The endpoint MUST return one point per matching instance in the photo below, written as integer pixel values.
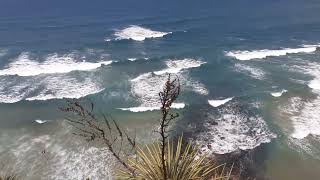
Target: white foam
(315, 84)
(278, 94)
(175, 66)
(57, 88)
(39, 121)
(143, 109)
(195, 86)
(147, 86)
(55, 156)
(260, 54)
(138, 33)
(306, 145)
(25, 66)
(232, 131)
(44, 88)
(306, 119)
(178, 105)
(254, 72)
(217, 103)
(132, 59)
(304, 116)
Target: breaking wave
(260, 54)
(44, 88)
(176, 66)
(132, 59)
(278, 94)
(305, 118)
(137, 33)
(39, 121)
(147, 86)
(217, 103)
(25, 66)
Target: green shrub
(181, 163)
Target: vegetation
(8, 177)
(181, 164)
(162, 160)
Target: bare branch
(88, 126)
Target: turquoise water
(249, 71)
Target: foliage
(8, 177)
(182, 163)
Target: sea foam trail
(147, 86)
(217, 103)
(25, 66)
(229, 131)
(253, 72)
(260, 54)
(138, 33)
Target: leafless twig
(108, 130)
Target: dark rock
(209, 146)
(214, 123)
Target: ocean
(249, 73)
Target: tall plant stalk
(167, 96)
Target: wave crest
(44, 88)
(261, 54)
(138, 33)
(175, 66)
(25, 66)
(278, 94)
(217, 103)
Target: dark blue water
(50, 50)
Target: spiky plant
(181, 163)
(8, 177)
